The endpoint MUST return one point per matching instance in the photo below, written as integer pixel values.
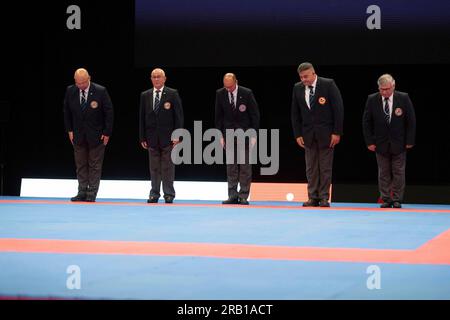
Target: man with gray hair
(318, 120)
(389, 126)
(160, 113)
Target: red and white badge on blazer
(322, 100)
(398, 112)
(94, 104)
(242, 108)
(167, 105)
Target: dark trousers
(391, 176)
(319, 168)
(161, 169)
(239, 173)
(89, 162)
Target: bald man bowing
(236, 108)
(88, 118)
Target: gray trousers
(239, 173)
(89, 162)
(319, 168)
(391, 176)
(161, 169)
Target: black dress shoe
(385, 205)
(231, 201)
(243, 201)
(152, 200)
(168, 199)
(397, 205)
(90, 198)
(324, 203)
(79, 197)
(311, 203)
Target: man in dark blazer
(88, 118)
(389, 126)
(160, 113)
(236, 108)
(317, 114)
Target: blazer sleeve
(108, 114)
(338, 109)
(368, 125)
(142, 118)
(296, 115)
(253, 111)
(218, 114)
(410, 122)
(178, 111)
(67, 113)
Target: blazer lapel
(394, 105)
(317, 92)
(90, 95)
(150, 98)
(303, 99)
(163, 97)
(380, 108)
(226, 96)
(76, 96)
(238, 98)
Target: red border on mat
(284, 207)
(435, 251)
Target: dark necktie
(311, 96)
(232, 101)
(157, 100)
(83, 100)
(386, 110)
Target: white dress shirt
(86, 91)
(307, 90)
(154, 94)
(234, 95)
(391, 102)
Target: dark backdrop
(280, 32)
(40, 56)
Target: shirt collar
(234, 91)
(161, 90)
(390, 98)
(314, 84)
(86, 90)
